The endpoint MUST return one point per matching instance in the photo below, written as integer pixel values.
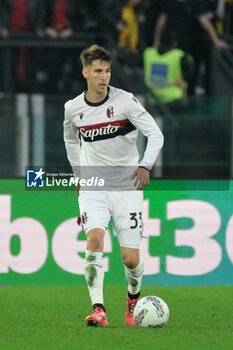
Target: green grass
(53, 318)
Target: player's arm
(143, 121)
(72, 142)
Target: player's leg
(94, 274)
(93, 209)
(127, 220)
(133, 269)
(133, 272)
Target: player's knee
(130, 262)
(95, 241)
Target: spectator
(167, 69)
(153, 10)
(132, 21)
(91, 11)
(19, 16)
(111, 17)
(128, 27)
(6, 8)
(59, 19)
(140, 10)
(228, 25)
(214, 11)
(181, 15)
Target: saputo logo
(104, 130)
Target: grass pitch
(31, 318)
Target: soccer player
(100, 129)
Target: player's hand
(142, 177)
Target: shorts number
(133, 217)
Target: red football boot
(98, 318)
(130, 305)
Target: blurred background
(175, 56)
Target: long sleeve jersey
(105, 133)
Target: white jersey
(105, 133)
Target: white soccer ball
(151, 311)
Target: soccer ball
(152, 312)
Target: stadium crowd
(131, 26)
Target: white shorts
(125, 209)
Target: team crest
(110, 112)
(82, 220)
(84, 217)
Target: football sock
(99, 305)
(94, 274)
(134, 277)
(135, 296)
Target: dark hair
(95, 52)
